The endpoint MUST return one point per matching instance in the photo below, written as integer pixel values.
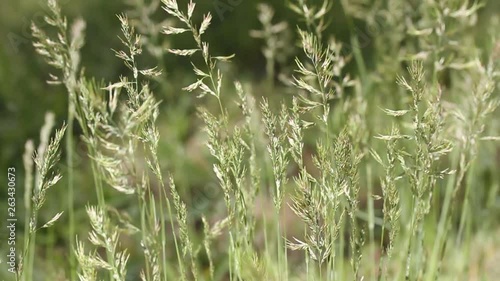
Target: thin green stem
(29, 252)
(409, 241)
(28, 204)
(144, 231)
(163, 237)
(278, 244)
(174, 235)
(443, 222)
(341, 273)
(465, 214)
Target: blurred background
(25, 96)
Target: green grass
(337, 166)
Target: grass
(336, 167)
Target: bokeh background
(25, 96)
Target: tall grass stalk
(63, 54)
(45, 158)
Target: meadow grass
(364, 174)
